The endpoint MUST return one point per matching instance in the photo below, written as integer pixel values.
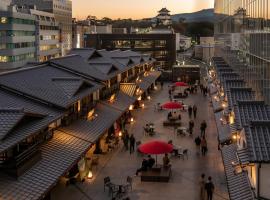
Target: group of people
(129, 142)
(204, 90)
(174, 115)
(192, 110)
(201, 144)
(146, 164)
(206, 188)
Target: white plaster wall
(264, 189)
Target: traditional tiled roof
(41, 83)
(238, 94)
(15, 109)
(238, 183)
(229, 83)
(122, 101)
(146, 81)
(222, 70)
(11, 118)
(258, 141)
(229, 75)
(245, 111)
(243, 156)
(91, 130)
(128, 88)
(85, 53)
(216, 58)
(76, 64)
(58, 156)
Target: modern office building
(47, 35)
(242, 39)
(160, 46)
(242, 82)
(62, 11)
(17, 38)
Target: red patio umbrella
(172, 105)
(156, 147)
(180, 84)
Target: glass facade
(17, 58)
(11, 20)
(242, 36)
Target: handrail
(26, 154)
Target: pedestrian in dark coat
(203, 128)
(190, 126)
(131, 143)
(194, 111)
(189, 111)
(203, 146)
(125, 140)
(209, 187)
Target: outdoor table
(120, 185)
(181, 130)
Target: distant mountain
(206, 15)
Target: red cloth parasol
(155, 147)
(180, 84)
(172, 105)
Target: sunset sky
(135, 9)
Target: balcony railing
(17, 165)
(109, 91)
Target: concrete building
(205, 50)
(119, 30)
(79, 29)
(48, 35)
(184, 42)
(103, 28)
(161, 46)
(62, 11)
(17, 38)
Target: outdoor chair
(129, 183)
(107, 182)
(183, 154)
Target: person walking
(203, 128)
(131, 143)
(189, 111)
(201, 88)
(194, 111)
(203, 146)
(209, 187)
(202, 186)
(198, 144)
(190, 126)
(126, 139)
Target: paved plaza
(185, 173)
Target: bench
(172, 123)
(162, 175)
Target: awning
(238, 184)
(58, 156)
(239, 94)
(128, 88)
(122, 102)
(92, 130)
(147, 81)
(224, 131)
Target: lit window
(3, 58)
(3, 20)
